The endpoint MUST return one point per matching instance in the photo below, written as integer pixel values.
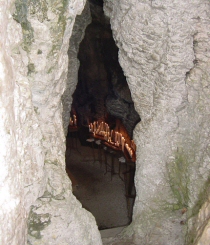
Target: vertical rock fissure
(102, 87)
(102, 80)
(164, 53)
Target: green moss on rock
(179, 179)
(59, 8)
(37, 223)
(38, 8)
(31, 68)
(36, 109)
(202, 198)
(20, 15)
(39, 51)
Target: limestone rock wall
(35, 192)
(22, 159)
(164, 52)
(203, 225)
(78, 32)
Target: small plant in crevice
(178, 176)
(180, 180)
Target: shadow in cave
(100, 192)
(102, 175)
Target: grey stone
(163, 52)
(33, 182)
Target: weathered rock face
(33, 70)
(164, 52)
(203, 225)
(22, 158)
(81, 22)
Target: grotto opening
(100, 131)
(165, 56)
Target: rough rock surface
(164, 52)
(203, 225)
(21, 153)
(81, 22)
(33, 70)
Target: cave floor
(102, 196)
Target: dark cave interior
(102, 95)
(102, 92)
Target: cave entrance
(100, 153)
